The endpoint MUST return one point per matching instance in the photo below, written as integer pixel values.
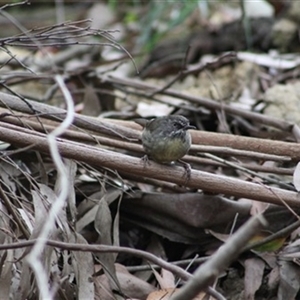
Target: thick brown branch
(132, 165)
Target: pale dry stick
(187, 268)
(220, 260)
(33, 257)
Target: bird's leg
(188, 170)
(145, 160)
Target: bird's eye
(177, 125)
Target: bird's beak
(190, 127)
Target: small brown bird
(166, 139)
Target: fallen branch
(132, 165)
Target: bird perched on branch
(166, 140)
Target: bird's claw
(188, 170)
(145, 159)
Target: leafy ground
(82, 217)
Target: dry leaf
(165, 294)
(254, 271)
